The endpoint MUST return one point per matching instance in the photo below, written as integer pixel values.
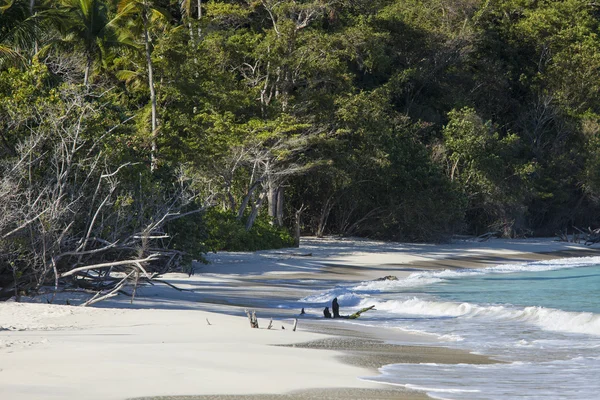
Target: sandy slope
(163, 345)
(75, 353)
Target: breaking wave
(544, 318)
(418, 279)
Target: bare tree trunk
(199, 18)
(191, 30)
(297, 230)
(246, 200)
(88, 69)
(254, 213)
(325, 211)
(32, 13)
(272, 199)
(280, 201)
(153, 156)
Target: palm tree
(144, 14)
(20, 30)
(187, 9)
(87, 23)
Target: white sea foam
(441, 390)
(418, 279)
(413, 280)
(548, 355)
(343, 295)
(438, 336)
(545, 318)
(573, 379)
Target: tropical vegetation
(157, 130)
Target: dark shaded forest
(157, 130)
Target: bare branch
(137, 263)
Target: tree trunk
(297, 227)
(272, 199)
(280, 200)
(325, 211)
(88, 69)
(232, 204)
(32, 13)
(191, 30)
(199, 18)
(246, 200)
(153, 156)
(254, 213)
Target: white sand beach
(197, 341)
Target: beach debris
(252, 318)
(302, 312)
(336, 311)
(576, 237)
(357, 314)
(336, 308)
(270, 324)
(208, 322)
(486, 236)
(592, 236)
(99, 296)
(295, 324)
(387, 278)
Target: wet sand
(374, 354)
(357, 347)
(322, 394)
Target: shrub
(225, 233)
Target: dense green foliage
(394, 119)
(224, 232)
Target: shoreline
(300, 368)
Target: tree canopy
(394, 119)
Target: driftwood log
(387, 278)
(591, 236)
(252, 318)
(336, 311)
(357, 314)
(486, 236)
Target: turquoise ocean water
(541, 319)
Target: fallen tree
(75, 214)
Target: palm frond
(159, 13)
(6, 4)
(8, 55)
(186, 8)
